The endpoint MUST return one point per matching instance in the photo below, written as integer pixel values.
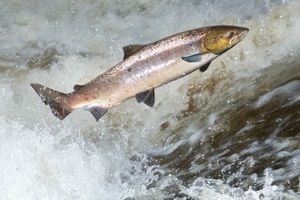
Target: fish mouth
(243, 34)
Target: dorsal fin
(77, 87)
(132, 49)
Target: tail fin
(56, 100)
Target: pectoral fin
(132, 49)
(147, 97)
(192, 58)
(97, 112)
(204, 67)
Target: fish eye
(230, 34)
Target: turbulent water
(229, 133)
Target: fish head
(219, 39)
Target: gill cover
(215, 42)
(220, 39)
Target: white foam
(289, 88)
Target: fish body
(144, 68)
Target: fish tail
(56, 100)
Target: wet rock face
(248, 140)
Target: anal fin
(97, 112)
(147, 97)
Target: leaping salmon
(145, 67)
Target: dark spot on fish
(129, 70)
